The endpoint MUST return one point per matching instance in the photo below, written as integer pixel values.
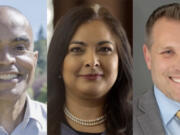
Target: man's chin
(12, 94)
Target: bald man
(19, 115)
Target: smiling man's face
(163, 59)
(17, 59)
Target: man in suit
(19, 115)
(157, 111)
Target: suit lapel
(150, 121)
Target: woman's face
(90, 67)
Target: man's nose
(177, 62)
(92, 59)
(6, 58)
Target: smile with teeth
(8, 76)
(177, 80)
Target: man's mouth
(175, 79)
(8, 76)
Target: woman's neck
(85, 109)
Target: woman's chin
(92, 94)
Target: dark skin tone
(17, 65)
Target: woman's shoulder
(66, 130)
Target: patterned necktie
(173, 128)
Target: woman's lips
(91, 76)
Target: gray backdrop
(141, 11)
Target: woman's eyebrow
(98, 43)
(78, 42)
(104, 42)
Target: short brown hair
(171, 11)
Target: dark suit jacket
(146, 116)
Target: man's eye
(168, 52)
(20, 47)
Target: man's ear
(36, 57)
(147, 56)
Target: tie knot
(178, 114)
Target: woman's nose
(92, 59)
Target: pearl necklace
(94, 122)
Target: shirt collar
(167, 106)
(31, 112)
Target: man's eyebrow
(22, 39)
(104, 42)
(78, 42)
(19, 39)
(169, 46)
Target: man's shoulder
(38, 113)
(146, 115)
(35, 119)
(145, 99)
(39, 107)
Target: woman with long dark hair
(89, 75)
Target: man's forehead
(12, 17)
(13, 25)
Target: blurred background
(36, 13)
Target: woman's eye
(76, 50)
(105, 49)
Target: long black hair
(117, 105)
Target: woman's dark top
(66, 129)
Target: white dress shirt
(34, 122)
